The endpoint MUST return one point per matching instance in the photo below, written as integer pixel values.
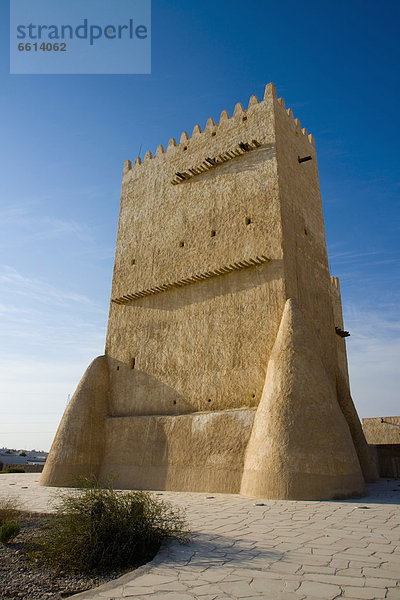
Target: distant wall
(382, 430)
(27, 468)
(384, 434)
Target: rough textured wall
(203, 346)
(366, 455)
(305, 256)
(197, 452)
(300, 446)
(382, 430)
(336, 300)
(383, 433)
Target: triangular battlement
(213, 128)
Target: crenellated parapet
(213, 129)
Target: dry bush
(9, 510)
(100, 529)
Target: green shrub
(8, 510)
(15, 470)
(8, 531)
(102, 530)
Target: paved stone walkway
(246, 548)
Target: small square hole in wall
(213, 133)
(118, 368)
(248, 220)
(181, 244)
(209, 400)
(133, 362)
(305, 231)
(185, 147)
(133, 261)
(213, 233)
(244, 118)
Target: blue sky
(65, 138)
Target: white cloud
(46, 229)
(22, 225)
(38, 290)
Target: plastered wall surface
(205, 345)
(382, 430)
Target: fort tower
(225, 368)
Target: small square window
(213, 233)
(181, 244)
(248, 220)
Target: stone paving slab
(244, 548)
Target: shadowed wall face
(78, 448)
(383, 433)
(182, 452)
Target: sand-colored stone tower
(223, 369)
